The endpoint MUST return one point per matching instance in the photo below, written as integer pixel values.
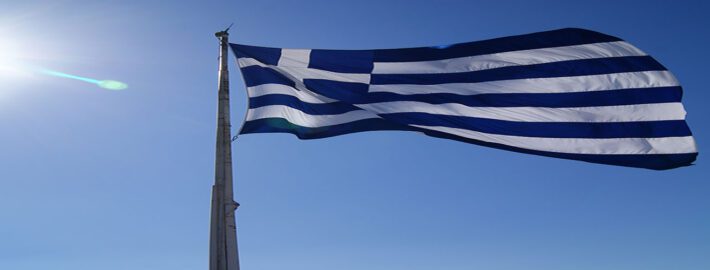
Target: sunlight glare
(11, 55)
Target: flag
(568, 93)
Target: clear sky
(99, 179)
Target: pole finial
(225, 32)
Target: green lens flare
(106, 84)
(112, 85)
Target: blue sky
(98, 179)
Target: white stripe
(616, 146)
(514, 58)
(602, 82)
(248, 61)
(666, 145)
(312, 73)
(620, 113)
(304, 95)
(298, 74)
(295, 58)
(623, 113)
(306, 120)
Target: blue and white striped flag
(569, 93)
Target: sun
(7, 54)
(16, 63)
(13, 57)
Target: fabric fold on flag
(568, 93)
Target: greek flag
(568, 93)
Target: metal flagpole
(223, 230)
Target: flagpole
(224, 254)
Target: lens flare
(112, 85)
(105, 84)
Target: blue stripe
(269, 56)
(256, 75)
(555, 38)
(548, 70)
(549, 100)
(343, 91)
(280, 125)
(641, 129)
(358, 61)
(649, 161)
(293, 102)
(554, 100)
(345, 61)
(646, 129)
